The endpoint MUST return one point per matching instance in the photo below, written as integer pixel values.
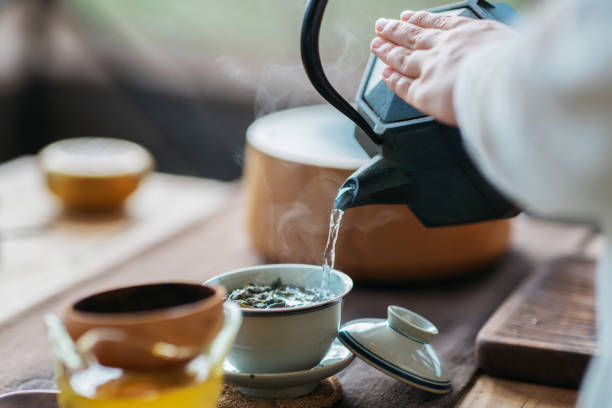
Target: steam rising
(284, 85)
(298, 221)
(242, 71)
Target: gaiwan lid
(399, 346)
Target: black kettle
(415, 160)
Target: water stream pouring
(416, 160)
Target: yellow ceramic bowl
(94, 174)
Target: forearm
(536, 123)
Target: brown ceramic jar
(147, 327)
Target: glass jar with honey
(159, 345)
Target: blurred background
(182, 78)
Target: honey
(193, 386)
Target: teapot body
(445, 187)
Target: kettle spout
(377, 182)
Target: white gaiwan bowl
(281, 340)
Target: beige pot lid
(400, 347)
(317, 135)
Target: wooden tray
(546, 331)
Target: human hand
(424, 51)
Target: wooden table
(63, 259)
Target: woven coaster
(328, 392)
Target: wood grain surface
(546, 331)
(489, 392)
(219, 243)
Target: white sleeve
(536, 113)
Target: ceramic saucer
(291, 384)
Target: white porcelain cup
(285, 339)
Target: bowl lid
(399, 347)
(317, 135)
(95, 157)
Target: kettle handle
(311, 59)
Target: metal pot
(296, 160)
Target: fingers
(406, 34)
(401, 59)
(398, 83)
(423, 19)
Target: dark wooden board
(546, 331)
